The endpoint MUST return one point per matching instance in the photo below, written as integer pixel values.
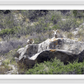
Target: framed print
(41, 39)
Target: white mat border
(42, 2)
(41, 5)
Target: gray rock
(66, 50)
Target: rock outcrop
(66, 50)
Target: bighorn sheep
(56, 33)
(30, 41)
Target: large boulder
(66, 50)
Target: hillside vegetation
(16, 26)
(57, 67)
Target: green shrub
(6, 62)
(45, 68)
(68, 24)
(57, 67)
(55, 27)
(54, 16)
(78, 13)
(75, 12)
(7, 31)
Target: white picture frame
(36, 5)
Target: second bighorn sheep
(30, 41)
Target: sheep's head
(55, 32)
(30, 41)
